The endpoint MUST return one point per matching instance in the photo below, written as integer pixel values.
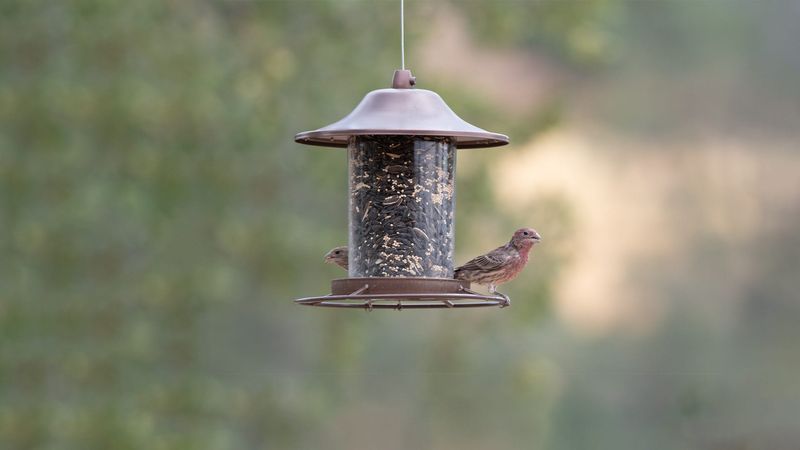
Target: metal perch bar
(401, 301)
(402, 292)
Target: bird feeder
(401, 145)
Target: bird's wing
(495, 259)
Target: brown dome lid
(402, 110)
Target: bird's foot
(506, 300)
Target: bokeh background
(156, 219)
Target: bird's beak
(327, 258)
(537, 238)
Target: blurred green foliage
(156, 219)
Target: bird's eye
(337, 252)
(525, 233)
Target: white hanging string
(402, 37)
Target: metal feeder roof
(402, 110)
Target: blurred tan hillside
(623, 188)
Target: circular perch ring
(401, 293)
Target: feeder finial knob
(403, 79)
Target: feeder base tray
(403, 292)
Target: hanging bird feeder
(401, 144)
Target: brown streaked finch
(338, 256)
(502, 264)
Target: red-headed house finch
(338, 256)
(501, 264)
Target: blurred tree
(157, 217)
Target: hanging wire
(402, 36)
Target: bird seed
(405, 187)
